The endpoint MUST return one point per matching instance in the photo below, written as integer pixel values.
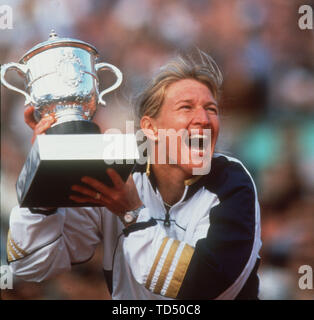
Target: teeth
(198, 141)
(198, 136)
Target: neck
(170, 182)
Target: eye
(211, 109)
(186, 107)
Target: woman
(167, 232)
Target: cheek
(172, 120)
(215, 125)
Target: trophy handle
(118, 74)
(19, 67)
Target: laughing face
(189, 115)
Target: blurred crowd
(267, 110)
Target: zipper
(167, 220)
(167, 215)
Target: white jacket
(210, 250)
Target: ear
(149, 128)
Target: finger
(29, 117)
(34, 138)
(130, 180)
(79, 199)
(130, 177)
(115, 177)
(44, 125)
(85, 191)
(97, 185)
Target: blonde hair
(202, 68)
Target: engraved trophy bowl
(61, 80)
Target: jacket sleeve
(40, 246)
(219, 265)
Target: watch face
(128, 218)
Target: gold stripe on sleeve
(11, 251)
(180, 272)
(24, 253)
(166, 266)
(153, 268)
(10, 256)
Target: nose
(201, 117)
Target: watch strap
(132, 215)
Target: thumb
(29, 117)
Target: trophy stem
(74, 127)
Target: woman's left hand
(120, 198)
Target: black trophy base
(56, 162)
(74, 127)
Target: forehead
(187, 89)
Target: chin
(197, 169)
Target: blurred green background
(267, 110)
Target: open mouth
(198, 142)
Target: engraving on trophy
(70, 68)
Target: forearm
(41, 246)
(35, 247)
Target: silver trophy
(61, 80)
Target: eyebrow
(191, 101)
